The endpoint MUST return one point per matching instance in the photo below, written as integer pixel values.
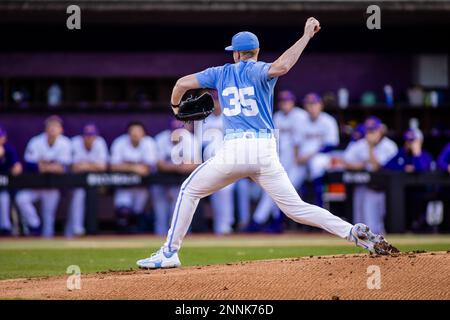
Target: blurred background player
(412, 158)
(48, 152)
(287, 120)
(443, 161)
(89, 154)
(133, 152)
(175, 155)
(317, 135)
(371, 154)
(9, 164)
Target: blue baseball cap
(90, 130)
(372, 123)
(286, 95)
(358, 132)
(311, 98)
(242, 41)
(410, 135)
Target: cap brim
(229, 48)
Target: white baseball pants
(369, 207)
(257, 159)
(75, 221)
(5, 221)
(49, 203)
(266, 206)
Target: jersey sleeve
(32, 151)
(150, 152)
(65, 154)
(208, 77)
(116, 153)
(11, 154)
(351, 153)
(76, 157)
(262, 71)
(332, 133)
(388, 152)
(102, 153)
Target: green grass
(34, 258)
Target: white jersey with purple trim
(358, 152)
(97, 154)
(38, 149)
(287, 125)
(312, 136)
(123, 151)
(176, 146)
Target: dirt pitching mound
(406, 276)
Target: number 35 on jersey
(240, 100)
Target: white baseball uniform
(164, 197)
(37, 150)
(5, 201)
(312, 136)
(97, 154)
(368, 204)
(123, 151)
(287, 125)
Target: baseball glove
(193, 109)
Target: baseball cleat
(160, 259)
(375, 243)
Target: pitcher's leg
(203, 181)
(279, 187)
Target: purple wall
(315, 72)
(318, 72)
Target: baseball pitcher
(249, 149)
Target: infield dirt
(405, 276)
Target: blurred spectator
(175, 155)
(286, 120)
(89, 154)
(49, 152)
(357, 134)
(411, 158)
(54, 95)
(370, 153)
(133, 152)
(443, 160)
(317, 135)
(9, 164)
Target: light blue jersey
(245, 93)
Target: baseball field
(290, 266)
